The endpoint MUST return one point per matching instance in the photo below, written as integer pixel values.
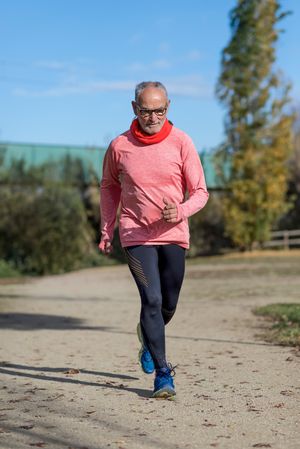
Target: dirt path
(233, 390)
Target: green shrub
(43, 229)
(7, 271)
(207, 229)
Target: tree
(258, 124)
(292, 219)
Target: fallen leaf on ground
(24, 398)
(287, 393)
(253, 409)
(72, 371)
(49, 399)
(38, 444)
(262, 445)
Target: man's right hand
(105, 247)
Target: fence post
(286, 240)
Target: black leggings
(158, 271)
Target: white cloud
(52, 65)
(161, 64)
(135, 38)
(142, 67)
(137, 67)
(77, 89)
(193, 55)
(189, 86)
(165, 63)
(164, 47)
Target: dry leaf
(72, 371)
(24, 398)
(262, 445)
(287, 393)
(253, 409)
(39, 444)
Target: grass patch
(286, 323)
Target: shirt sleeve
(110, 193)
(195, 181)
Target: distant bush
(66, 171)
(49, 216)
(43, 229)
(7, 270)
(207, 229)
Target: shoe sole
(164, 393)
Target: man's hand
(105, 247)
(169, 212)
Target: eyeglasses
(147, 112)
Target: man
(149, 169)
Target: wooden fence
(286, 239)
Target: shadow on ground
(17, 370)
(8, 296)
(32, 321)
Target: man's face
(151, 109)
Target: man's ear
(133, 104)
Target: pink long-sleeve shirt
(140, 176)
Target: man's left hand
(169, 212)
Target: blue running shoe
(145, 358)
(163, 383)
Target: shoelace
(169, 372)
(172, 369)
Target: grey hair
(141, 86)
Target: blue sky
(68, 67)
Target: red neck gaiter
(149, 139)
